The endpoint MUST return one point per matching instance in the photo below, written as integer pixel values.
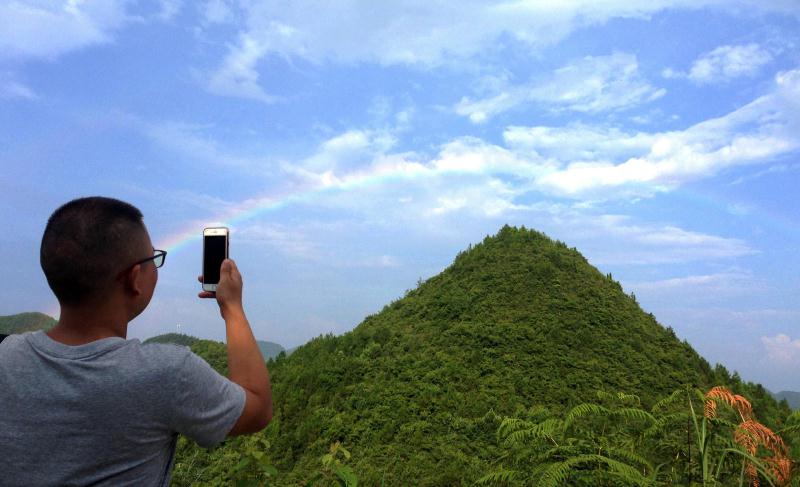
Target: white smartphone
(215, 250)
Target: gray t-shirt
(107, 412)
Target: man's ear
(132, 280)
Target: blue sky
(356, 147)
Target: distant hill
(268, 349)
(792, 397)
(22, 322)
(175, 338)
(516, 321)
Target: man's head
(88, 250)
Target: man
(80, 404)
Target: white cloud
(722, 283)
(473, 155)
(484, 198)
(618, 239)
(752, 341)
(469, 178)
(724, 64)
(169, 9)
(431, 32)
(727, 62)
(289, 240)
(349, 150)
(591, 84)
(757, 132)
(193, 142)
(10, 89)
(238, 75)
(309, 241)
(578, 142)
(584, 162)
(190, 140)
(217, 12)
(48, 29)
(426, 33)
(587, 163)
(776, 169)
(782, 350)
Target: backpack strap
(2, 337)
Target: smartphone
(215, 250)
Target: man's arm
(246, 365)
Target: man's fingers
(206, 294)
(200, 278)
(234, 270)
(227, 266)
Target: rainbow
(403, 171)
(324, 184)
(396, 171)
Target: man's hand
(229, 289)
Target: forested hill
(516, 321)
(22, 322)
(791, 397)
(268, 349)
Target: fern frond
(630, 457)
(546, 429)
(509, 425)
(794, 428)
(662, 423)
(556, 474)
(501, 476)
(634, 414)
(723, 422)
(674, 397)
(582, 410)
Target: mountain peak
(516, 321)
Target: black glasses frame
(159, 257)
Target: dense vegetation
(517, 323)
(22, 322)
(687, 438)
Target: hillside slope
(22, 322)
(516, 321)
(791, 397)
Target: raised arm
(246, 365)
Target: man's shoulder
(165, 353)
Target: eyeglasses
(158, 258)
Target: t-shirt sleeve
(206, 404)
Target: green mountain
(174, 338)
(517, 322)
(268, 349)
(791, 397)
(22, 322)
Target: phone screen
(213, 255)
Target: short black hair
(86, 243)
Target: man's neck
(81, 325)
